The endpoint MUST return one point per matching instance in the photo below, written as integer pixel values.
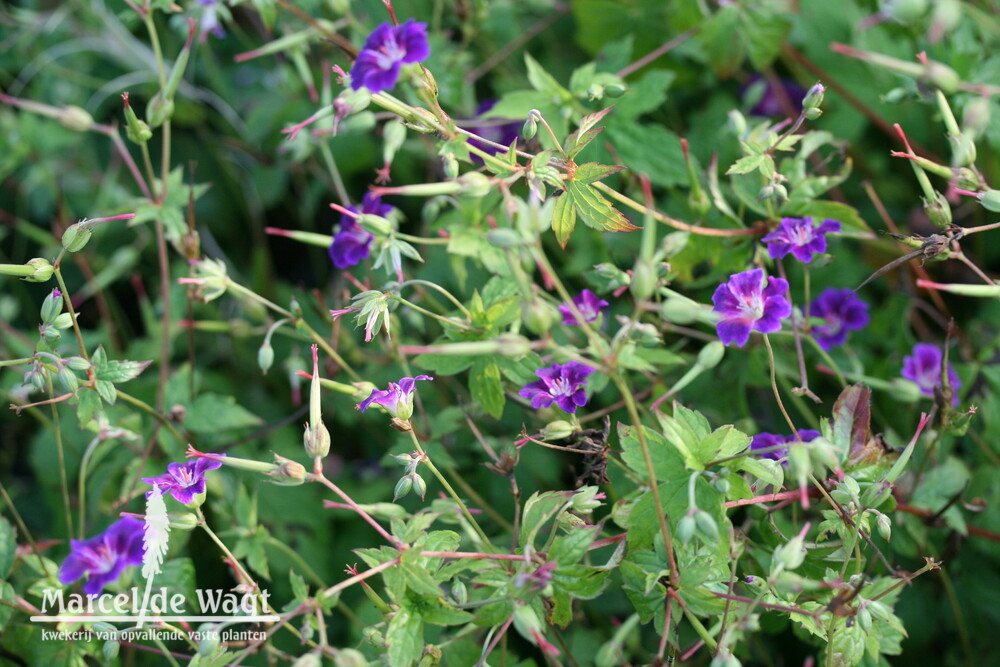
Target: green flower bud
(77, 363)
(159, 109)
(721, 485)
(706, 525)
(865, 619)
(686, 528)
(375, 224)
(265, 356)
(459, 593)
(946, 16)
(307, 660)
(963, 149)
(710, 355)
(504, 238)
(681, 311)
(110, 650)
(557, 430)
(50, 333)
(393, 134)
(812, 114)
(904, 11)
(990, 200)
(884, 525)
(792, 554)
(373, 636)
(940, 76)
(530, 128)
(643, 280)
(595, 91)
(475, 184)
(614, 90)
(737, 123)
(63, 321)
(814, 98)
(403, 487)
(419, 485)
(68, 380)
(136, 130)
(349, 657)
(976, 116)
(316, 440)
(51, 306)
(76, 118)
(450, 165)
(287, 472)
(513, 346)
(42, 270)
(76, 237)
(938, 210)
(539, 316)
(182, 520)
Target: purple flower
(185, 480)
(562, 383)
(924, 368)
(770, 103)
(587, 303)
(210, 20)
(397, 399)
(351, 243)
(769, 440)
(104, 556)
(843, 312)
(799, 237)
(387, 48)
(746, 305)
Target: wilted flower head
(924, 368)
(562, 383)
(747, 305)
(184, 480)
(799, 237)
(587, 303)
(351, 243)
(769, 440)
(386, 49)
(397, 399)
(104, 556)
(843, 312)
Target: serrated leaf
(595, 210)
(88, 405)
(722, 443)
(634, 143)
(591, 171)
(106, 390)
(563, 218)
(120, 371)
(404, 638)
(486, 388)
(591, 120)
(570, 548)
(577, 141)
(747, 164)
(538, 510)
(213, 413)
(668, 464)
(544, 82)
(299, 589)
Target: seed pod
(76, 237)
(43, 270)
(51, 306)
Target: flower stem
(394, 541)
(774, 387)
(69, 307)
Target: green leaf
(649, 149)
(590, 172)
(88, 405)
(213, 413)
(570, 548)
(719, 34)
(485, 386)
(668, 464)
(645, 95)
(8, 547)
(647, 604)
(538, 510)
(591, 120)
(766, 470)
(595, 210)
(405, 638)
(850, 220)
(722, 443)
(544, 82)
(763, 31)
(563, 218)
(582, 581)
(437, 611)
(106, 390)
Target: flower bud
(403, 487)
(76, 237)
(710, 355)
(938, 210)
(459, 593)
(287, 472)
(884, 525)
(393, 136)
(865, 619)
(904, 11)
(530, 127)
(449, 165)
(63, 321)
(686, 528)
(159, 109)
(706, 525)
(557, 430)
(76, 118)
(721, 485)
(475, 184)
(512, 345)
(737, 123)
(50, 333)
(792, 554)
(615, 90)
(316, 440)
(610, 277)
(587, 499)
(77, 363)
(182, 520)
(136, 130)
(814, 98)
(307, 660)
(681, 311)
(51, 306)
(504, 238)
(990, 200)
(375, 224)
(539, 316)
(265, 356)
(43, 270)
(68, 380)
(643, 280)
(963, 149)
(110, 650)
(419, 485)
(946, 16)
(941, 77)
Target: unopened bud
(136, 130)
(941, 77)
(791, 554)
(504, 238)
(43, 270)
(51, 306)
(706, 525)
(865, 620)
(530, 127)
(686, 528)
(375, 224)
(512, 345)
(349, 657)
(938, 210)
(76, 118)
(393, 134)
(316, 440)
(182, 520)
(159, 110)
(814, 98)
(539, 316)
(710, 355)
(774, 191)
(307, 660)
(287, 472)
(737, 123)
(265, 357)
(614, 90)
(63, 321)
(884, 525)
(946, 16)
(403, 487)
(990, 200)
(475, 184)
(459, 593)
(76, 236)
(419, 485)
(904, 11)
(963, 149)
(680, 311)
(68, 380)
(557, 430)
(110, 650)
(77, 363)
(643, 280)
(449, 165)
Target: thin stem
(21, 526)
(981, 228)
(774, 387)
(394, 541)
(63, 483)
(441, 318)
(164, 262)
(447, 487)
(661, 50)
(448, 295)
(148, 409)
(422, 240)
(72, 313)
(350, 581)
(673, 222)
(331, 166)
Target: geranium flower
(587, 303)
(104, 556)
(924, 368)
(498, 130)
(185, 480)
(747, 305)
(768, 440)
(352, 244)
(397, 399)
(799, 237)
(843, 312)
(561, 383)
(385, 51)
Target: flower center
(560, 387)
(751, 305)
(390, 52)
(802, 235)
(184, 477)
(101, 559)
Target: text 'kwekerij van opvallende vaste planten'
(492, 333)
